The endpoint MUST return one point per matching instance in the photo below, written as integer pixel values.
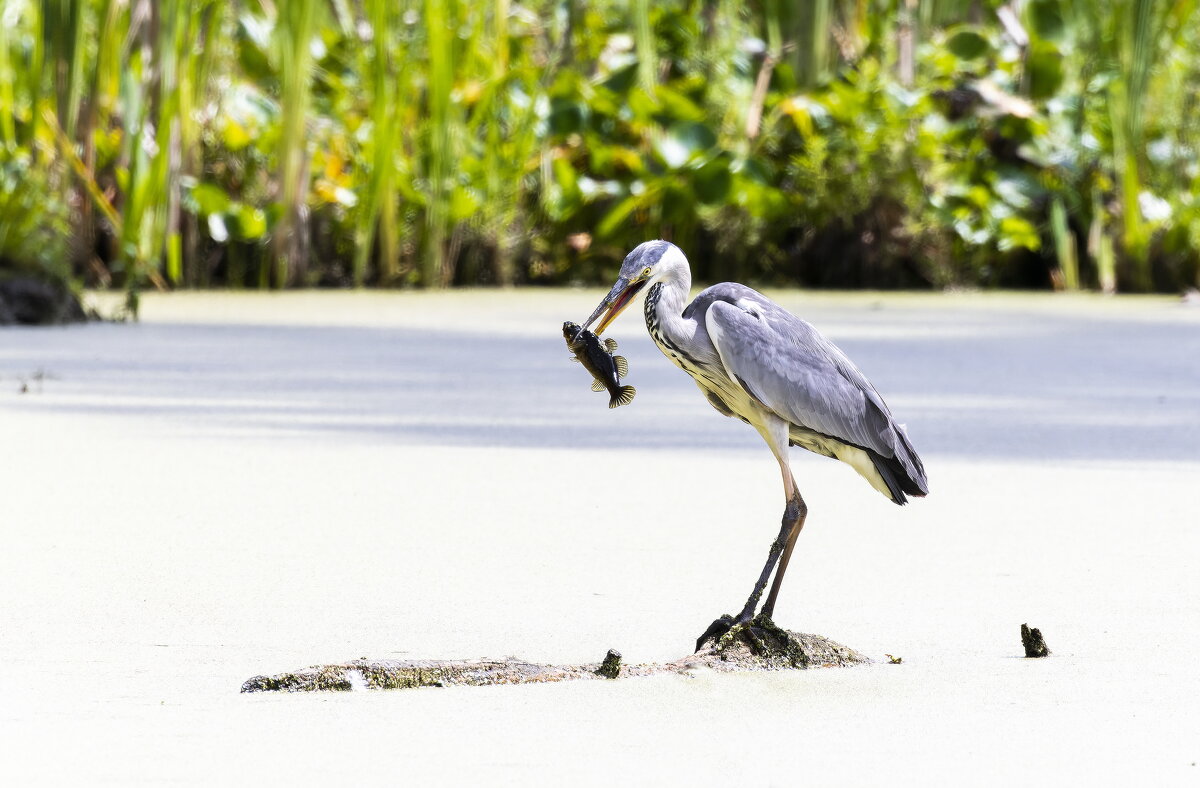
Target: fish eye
(646, 271)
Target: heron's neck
(664, 309)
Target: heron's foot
(760, 633)
(763, 635)
(715, 630)
(718, 629)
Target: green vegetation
(264, 143)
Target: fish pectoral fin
(623, 396)
(597, 385)
(610, 344)
(622, 366)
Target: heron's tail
(622, 396)
(904, 472)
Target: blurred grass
(295, 29)
(877, 143)
(377, 218)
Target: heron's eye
(646, 271)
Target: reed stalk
(440, 139)
(295, 27)
(1138, 44)
(643, 35)
(1064, 245)
(8, 95)
(377, 214)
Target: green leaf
(1045, 66)
(673, 152)
(251, 223)
(621, 212)
(1018, 233)
(622, 79)
(207, 199)
(254, 47)
(562, 197)
(712, 181)
(684, 142)
(1046, 20)
(1017, 189)
(464, 203)
(966, 43)
(753, 169)
(677, 105)
(566, 116)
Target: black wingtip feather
(897, 479)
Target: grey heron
(758, 362)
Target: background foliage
(264, 143)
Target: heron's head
(649, 262)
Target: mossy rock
(759, 645)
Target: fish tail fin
(623, 396)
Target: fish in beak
(615, 302)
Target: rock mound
(758, 645)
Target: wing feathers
(794, 372)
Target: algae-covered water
(244, 485)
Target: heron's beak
(615, 302)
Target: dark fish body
(597, 358)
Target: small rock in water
(1034, 643)
(610, 668)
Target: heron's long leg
(801, 508)
(793, 521)
(780, 549)
(775, 434)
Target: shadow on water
(1059, 388)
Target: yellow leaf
(333, 165)
(326, 190)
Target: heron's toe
(715, 630)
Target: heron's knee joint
(779, 543)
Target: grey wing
(793, 371)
